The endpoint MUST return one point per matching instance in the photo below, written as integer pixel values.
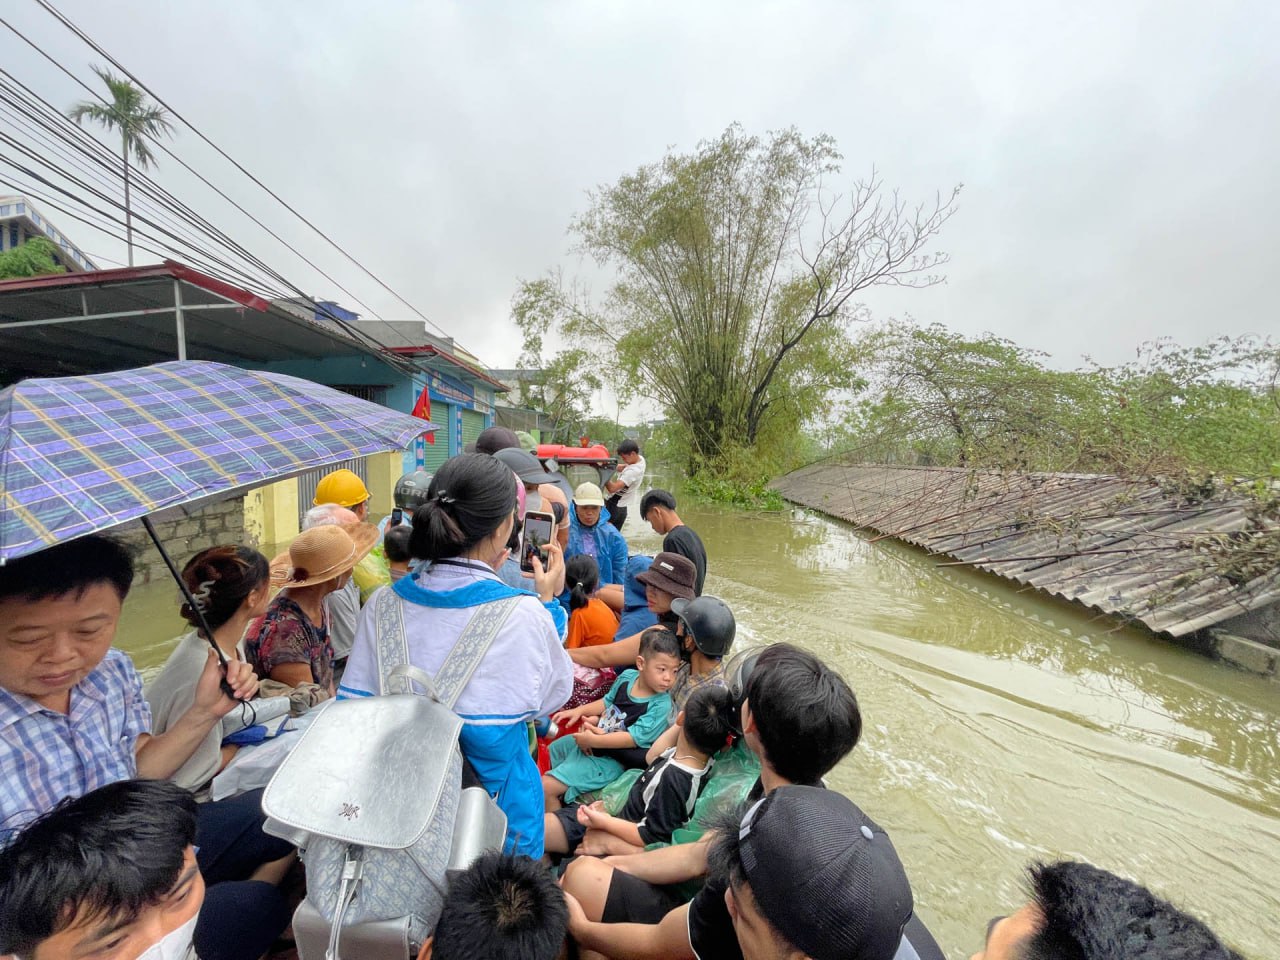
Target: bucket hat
(672, 573)
(322, 553)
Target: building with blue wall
(462, 394)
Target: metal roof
(102, 320)
(1127, 548)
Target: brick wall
(215, 524)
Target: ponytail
(469, 498)
(581, 576)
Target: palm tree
(136, 119)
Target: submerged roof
(1127, 548)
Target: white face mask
(533, 501)
(174, 945)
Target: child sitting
(395, 544)
(662, 799)
(617, 729)
(591, 622)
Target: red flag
(422, 410)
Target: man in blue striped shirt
(73, 718)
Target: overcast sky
(1119, 158)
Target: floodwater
(999, 728)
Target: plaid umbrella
(81, 454)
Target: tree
(32, 259)
(735, 277)
(563, 386)
(941, 398)
(137, 121)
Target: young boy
(662, 799)
(395, 544)
(500, 908)
(618, 728)
(800, 718)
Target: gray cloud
(1118, 158)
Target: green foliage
(31, 259)
(939, 398)
(127, 113)
(734, 278)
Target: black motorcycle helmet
(709, 621)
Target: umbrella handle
(191, 602)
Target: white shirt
(631, 475)
(526, 673)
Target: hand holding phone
(539, 529)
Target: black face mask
(686, 655)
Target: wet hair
(657, 640)
(656, 498)
(708, 718)
(628, 446)
(502, 907)
(1091, 914)
(68, 568)
(395, 544)
(221, 579)
(581, 577)
(806, 715)
(469, 498)
(106, 855)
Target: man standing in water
(624, 489)
(658, 509)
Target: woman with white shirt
(462, 534)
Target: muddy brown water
(1000, 728)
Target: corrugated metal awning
(104, 320)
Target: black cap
(824, 875)
(493, 439)
(524, 465)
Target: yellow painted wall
(271, 513)
(383, 470)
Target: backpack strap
(392, 646)
(471, 646)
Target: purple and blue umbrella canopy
(83, 454)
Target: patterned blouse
(284, 634)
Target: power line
(85, 38)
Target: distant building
(463, 396)
(516, 411)
(20, 220)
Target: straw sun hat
(322, 553)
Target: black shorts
(573, 830)
(632, 900)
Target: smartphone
(539, 528)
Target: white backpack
(372, 797)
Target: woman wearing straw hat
(462, 531)
(290, 642)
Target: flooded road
(998, 728)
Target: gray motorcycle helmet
(411, 490)
(709, 621)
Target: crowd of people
(678, 810)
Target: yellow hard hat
(341, 487)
